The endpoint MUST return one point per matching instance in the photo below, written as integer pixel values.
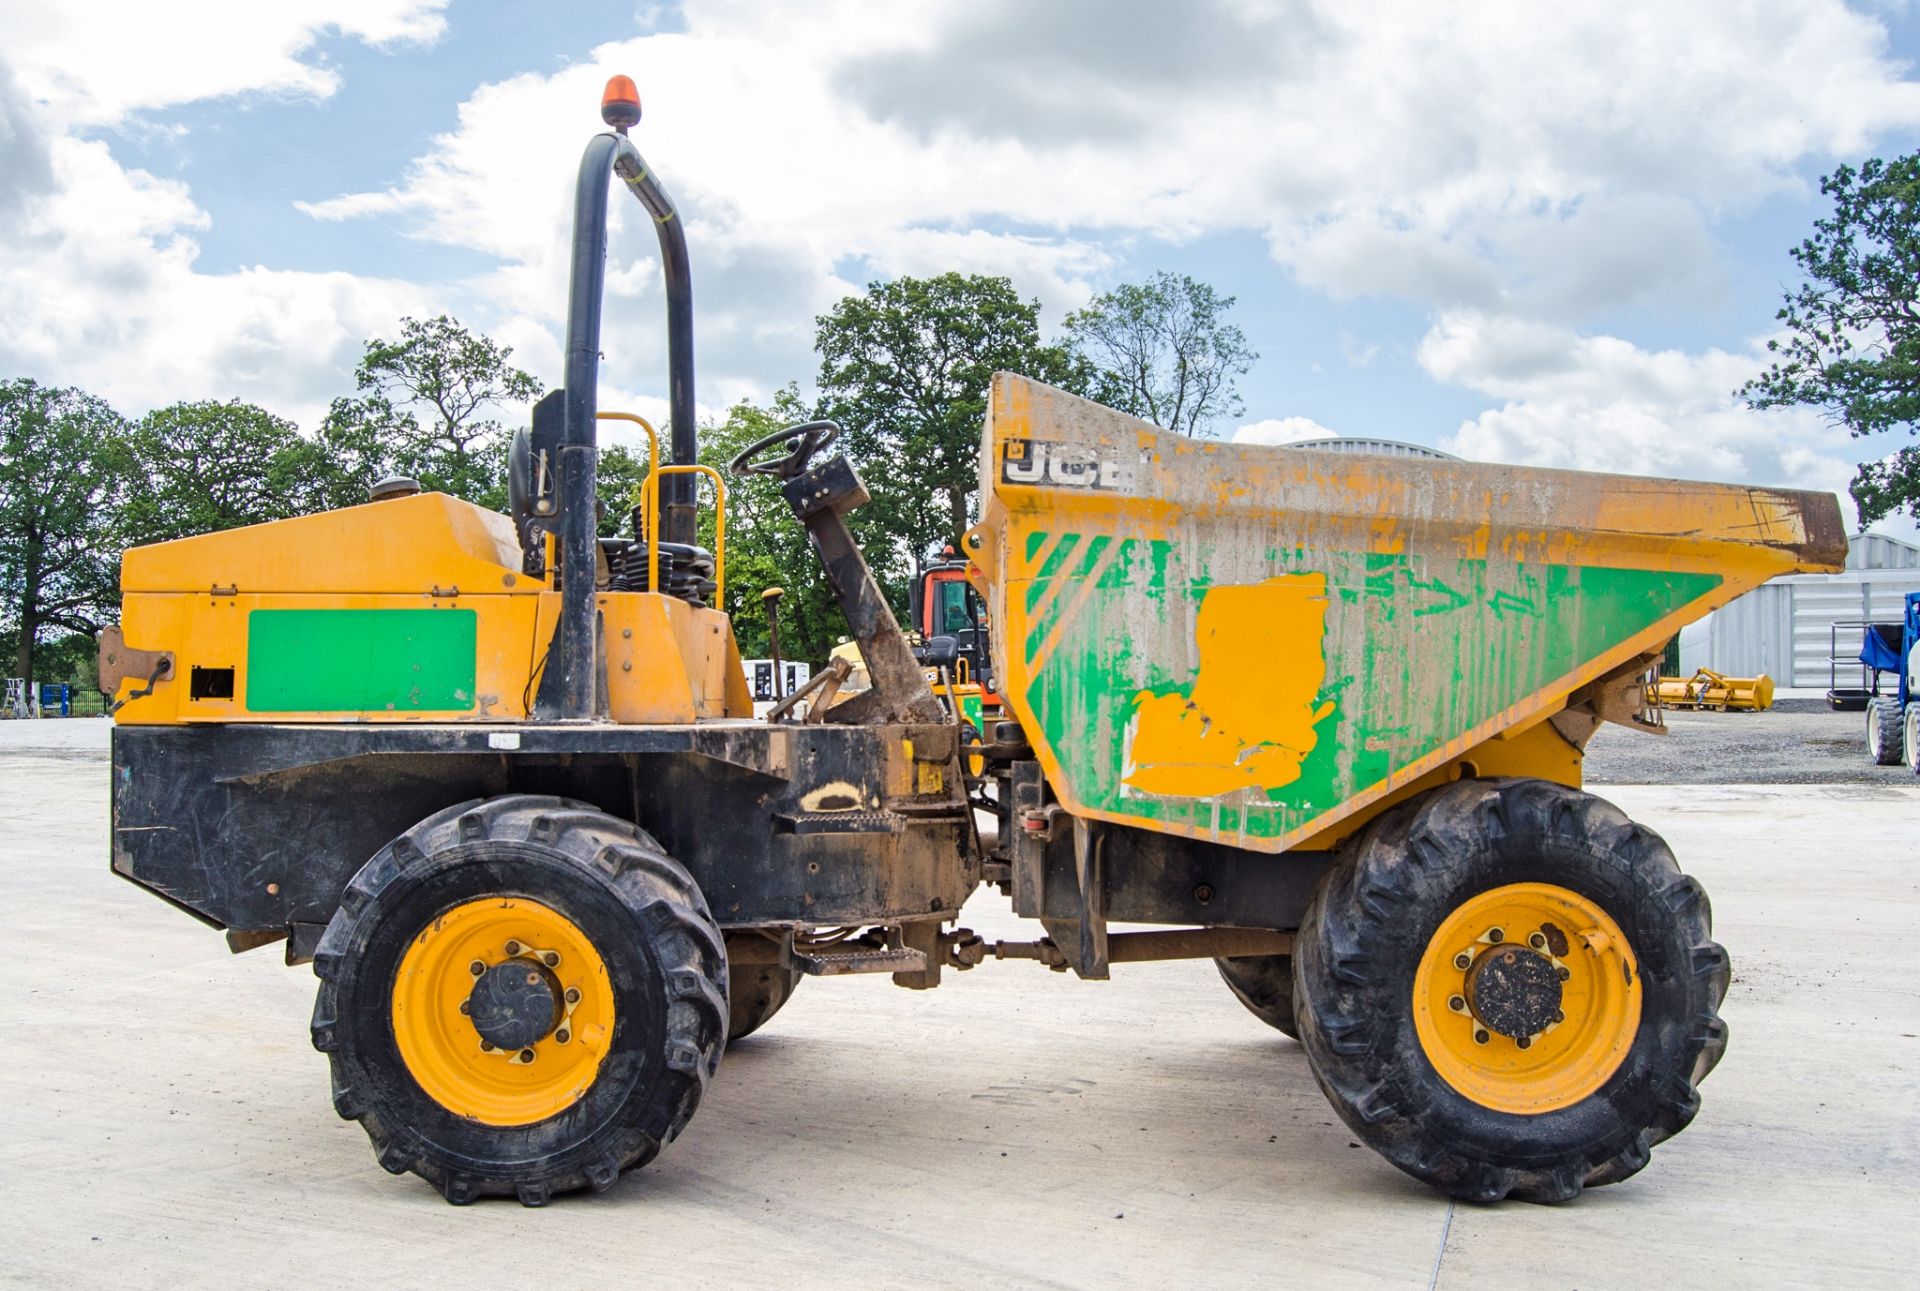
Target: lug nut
(1496, 935)
(1463, 961)
(573, 995)
(476, 968)
(1565, 973)
(563, 1035)
(513, 947)
(1538, 941)
(551, 959)
(486, 1047)
(466, 1008)
(1525, 1042)
(1558, 1017)
(1458, 1004)
(1480, 1036)
(526, 1055)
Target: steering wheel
(804, 441)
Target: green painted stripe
(358, 661)
(1418, 651)
(1092, 556)
(1042, 625)
(1048, 568)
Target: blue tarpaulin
(1881, 648)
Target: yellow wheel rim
(1464, 1004)
(439, 1043)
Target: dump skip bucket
(1248, 643)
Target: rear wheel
(1910, 742)
(1507, 988)
(1885, 736)
(1264, 983)
(520, 997)
(755, 991)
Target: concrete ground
(165, 1123)
(1800, 740)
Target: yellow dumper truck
(1317, 717)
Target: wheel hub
(503, 1009)
(1527, 997)
(515, 1004)
(1514, 991)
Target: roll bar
(569, 690)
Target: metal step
(858, 959)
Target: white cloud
(98, 281)
(1599, 403)
(98, 287)
(1280, 430)
(1500, 163)
(1357, 353)
(106, 60)
(1501, 157)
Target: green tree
(1163, 351)
(64, 474)
(1852, 346)
(766, 545)
(72, 657)
(905, 369)
(209, 466)
(426, 408)
(617, 479)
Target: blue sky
(1545, 236)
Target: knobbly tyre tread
(755, 992)
(1264, 984)
(1886, 731)
(668, 930)
(1370, 920)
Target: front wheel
(1885, 733)
(755, 991)
(1509, 989)
(520, 997)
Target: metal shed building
(1381, 447)
(1784, 628)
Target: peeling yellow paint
(1249, 720)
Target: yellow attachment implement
(1714, 690)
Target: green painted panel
(1418, 650)
(358, 661)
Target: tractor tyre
(1885, 742)
(755, 992)
(520, 996)
(1508, 989)
(1910, 738)
(1264, 983)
